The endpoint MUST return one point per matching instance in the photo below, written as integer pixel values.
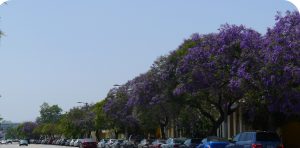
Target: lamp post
(128, 90)
(85, 103)
(85, 122)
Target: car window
(169, 141)
(245, 137)
(267, 136)
(236, 138)
(162, 141)
(196, 141)
(216, 139)
(181, 141)
(204, 140)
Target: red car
(88, 143)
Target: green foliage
(101, 120)
(12, 133)
(49, 114)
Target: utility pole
(85, 122)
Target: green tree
(101, 121)
(49, 114)
(12, 133)
(77, 122)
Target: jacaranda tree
(216, 71)
(213, 74)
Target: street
(16, 145)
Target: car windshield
(169, 141)
(196, 141)
(88, 140)
(266, 136)
(181, 141)
(143, 141)
(216, 139)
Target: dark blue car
(259, 139)
(213, 142)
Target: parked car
(72, 142)
(168, 142)
(77, 142)
(8, 141)
(127, 144)
(190, 143)
(67, 143)
(142, 143)
(213, 142)
(157, 143)
(171, 143)
(109, 143)
(62, 142)
(117, 143)
(88, 143)
(101, 143)
(23, 142)
(3, 141)
(260, 139)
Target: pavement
(16, 145)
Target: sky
(65, 51)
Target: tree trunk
(162, 130)
(225, 124)
(97, 135)
(116, 134)
(216, 125)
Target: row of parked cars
(257, 139)
(10, 141)
(64, 142)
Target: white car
(77, 142)
(72, 142)
(142, 143)
(23, 142)
(3, 141)
(168, 144)
(171, 143)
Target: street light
(117, 85)
(86, 108)
(86, 104)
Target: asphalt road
(16, 145)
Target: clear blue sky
(64, 51)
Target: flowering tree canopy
(213, 74)
(280, 75)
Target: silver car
(23, 142)
(110, 142)
(101, 143)
(77, 142)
